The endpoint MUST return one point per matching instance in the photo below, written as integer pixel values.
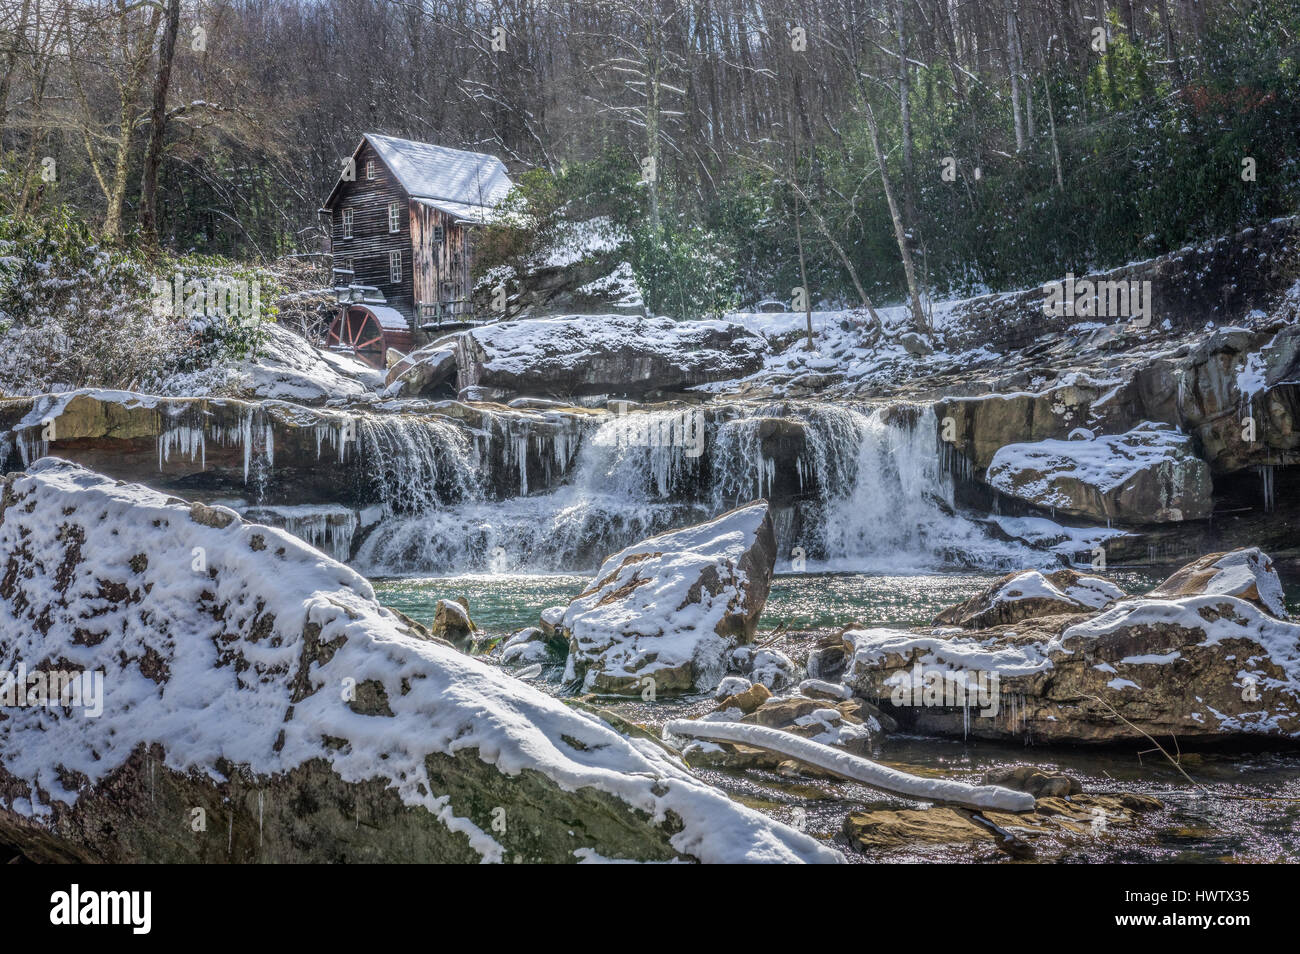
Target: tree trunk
(803, 276)
(1051, 125)
(1013, 70)
(11, 65)
(157, 125)
(900, 231)
(904, 90)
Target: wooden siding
(371, 241)
(436, 262)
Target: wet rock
(1053, 824)
(451, 621)
(829, 658)
(668, 611)
(746, 700)
(819, 689)
(1027, 778)
(1030, 593)
(551, 618)
(1149, 474)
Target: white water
(878, 499)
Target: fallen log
(854, 768)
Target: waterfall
(328, 527)
(416, 464)
(868, 482)
(886, 498)
(619, 493)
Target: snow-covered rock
(1210, 666)
(285, 367)
(769, 667)
(605, 354)
(451, 622)
(1149, 474)
(1030, 593)
(257, 704)
(667, 611)
(1247, 573)
(425, 371)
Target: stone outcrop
(1149, 474)
(604, 354)
(277, 453)
(1247, 574)
(1210, 665)
(257, 705)
(668, 611)
(1028, 594)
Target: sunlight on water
(506, 603)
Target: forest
(864, 149)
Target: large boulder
(1149, 474)
(1205, 667)
(1031, 593)
(668, 611)
(283, 366)
(257, 705)
(605, 354)
(1246, 573)
(427, 371)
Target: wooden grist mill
(402, 223)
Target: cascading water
(887, 500)
(418, 463)
(611, 501)
(868, 482)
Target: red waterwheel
(357, 332)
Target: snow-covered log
(853, 767)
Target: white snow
(532, 345)
(872, 646)
(1042, 532)
(1240, 570)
